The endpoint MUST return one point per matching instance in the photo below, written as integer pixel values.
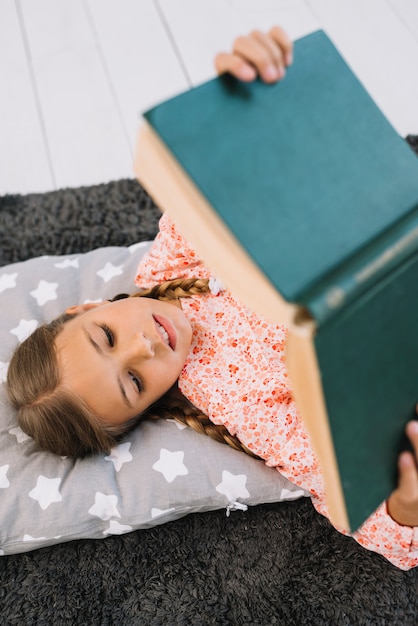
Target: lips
(166, 330)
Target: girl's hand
(403, 503)
(259, 54)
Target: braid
(171, 290)
(176, 406)
(175, 289)
(202, 424)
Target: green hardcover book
(304, 199)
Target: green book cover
(322, 193)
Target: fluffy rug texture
(274, 564)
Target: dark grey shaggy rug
(274, 564)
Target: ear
(83, 308)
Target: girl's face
(122, 356)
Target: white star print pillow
(160, 472)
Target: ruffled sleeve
(380, 533)
(169, 257)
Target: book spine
(364, 269)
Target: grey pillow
(160, 472)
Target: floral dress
(235, 373)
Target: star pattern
(171, 465)
(110, 271)
(177, 424)
(62, 265)
(233, 486)
(3, 371)
(289, 494)
(157, 512)
(4, 482)
(30, 538)
(104, 506)
(119, 455)
(24, 329)
(117, 529)
(46, 491)
(7, 281)
(19, 434)
(45, 292)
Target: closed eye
(110, 338)
(137, 382)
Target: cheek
(165, 375)
(174, 371)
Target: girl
(186, 346)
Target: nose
(143, 345)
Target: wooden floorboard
(140, 61)
(407, 11)
(24, 162)
(82, 122)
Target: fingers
(408, 478)
(263, 54)
(403, 502)
(283, 40)
(235, 65)
(408, 470)
(412, 432)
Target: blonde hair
(63, 423)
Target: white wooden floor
(75, 74)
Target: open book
(304, 200)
